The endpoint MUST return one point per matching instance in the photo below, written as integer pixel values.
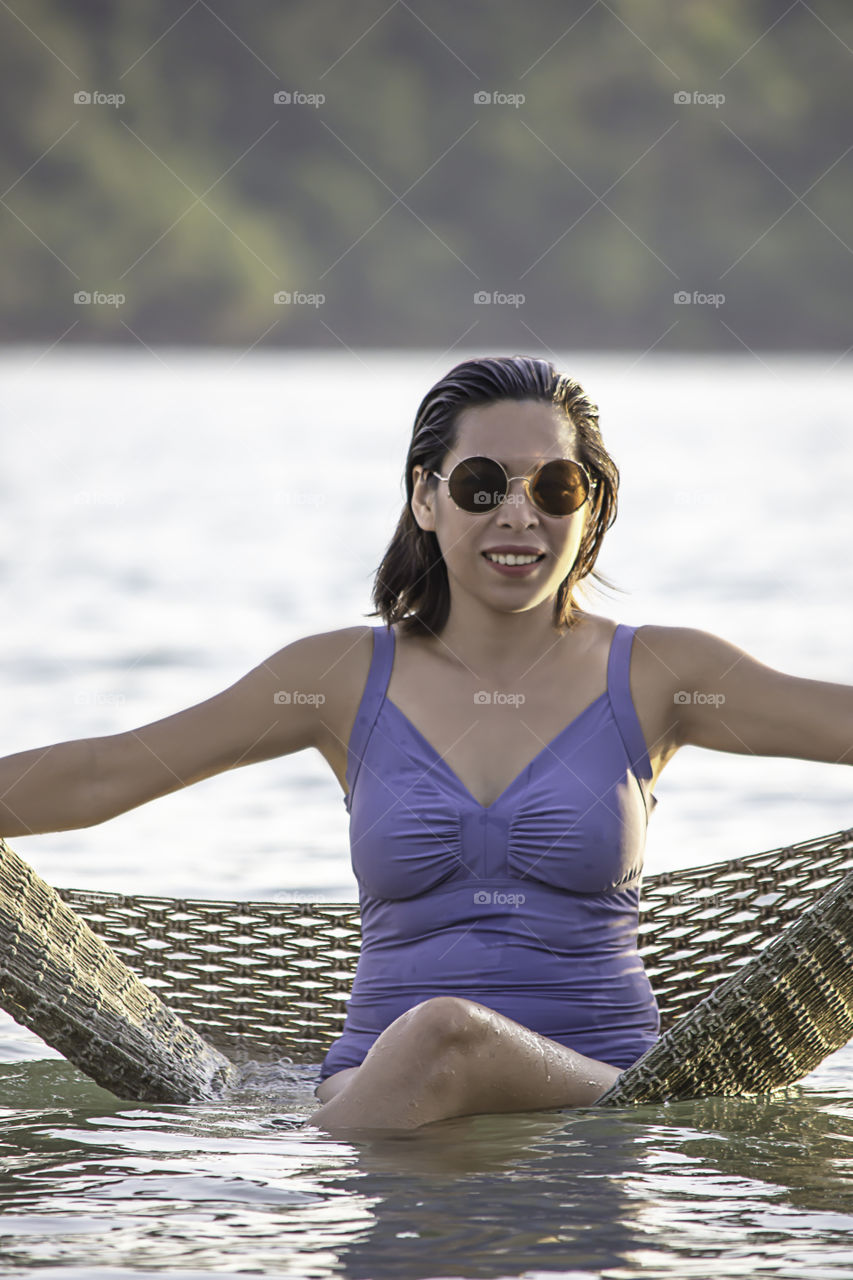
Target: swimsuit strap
(372, 698)
(618, 688)
(624, 711)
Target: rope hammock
(162, 999)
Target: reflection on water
(717, 1186)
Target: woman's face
(521, 435)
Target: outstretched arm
(84, 782)
(724, 699)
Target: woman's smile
(514, 564)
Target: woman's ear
(423, 499)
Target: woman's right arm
(276, 709)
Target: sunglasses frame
(527, 480)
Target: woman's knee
(447, 1022)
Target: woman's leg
(333, 1084)
(453, 1057)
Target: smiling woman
(498, 746)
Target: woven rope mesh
(700, 926)
(257, 979)
(768, 1025)
(62, 980)
(272, 979)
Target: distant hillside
(545, 175)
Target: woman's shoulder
(336, 659)
(674, 665)
(673, 647)
(656, 676)
(652, 648)
(335, 666)
(650, 636)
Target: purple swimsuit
(529, 905)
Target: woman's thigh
(333, 1084)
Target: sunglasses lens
(477, 484)
(560, 487)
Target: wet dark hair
(411, 584)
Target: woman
(497, 746)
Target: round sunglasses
(557, 488)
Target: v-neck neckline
(509, 787)
(453, 774)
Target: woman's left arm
(725, 700)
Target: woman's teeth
(510, 559)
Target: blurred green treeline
(386, 189)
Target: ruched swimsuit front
(528, 905)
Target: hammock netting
(751, 962)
